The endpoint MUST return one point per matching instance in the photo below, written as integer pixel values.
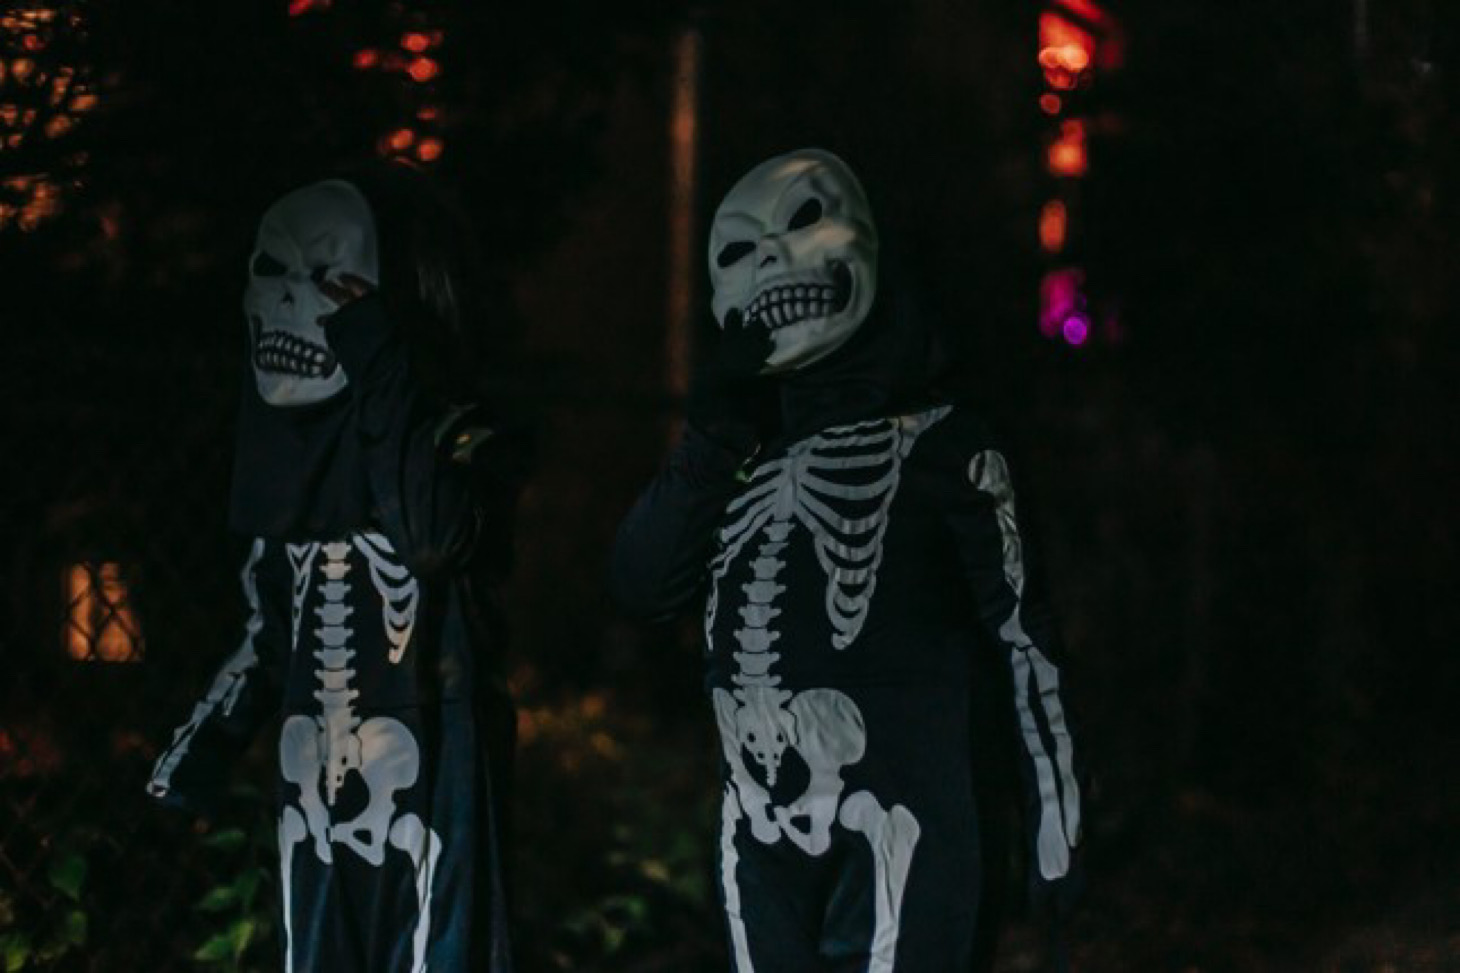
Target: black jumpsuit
(852, 576)
(380, 656)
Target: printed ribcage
(838, 486)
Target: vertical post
(683, 131)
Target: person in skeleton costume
(377, 517)
(856, 563)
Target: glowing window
(100, 625)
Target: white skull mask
(323, 231)
(794, 250)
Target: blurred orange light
(1050, 103)
(1067, 155)
(21, 68)
(429, 114)
(415, 42)
(429, 150)
(1057, 31)
(366, 58)
(1065, 50)
(1053, 223)
(401, 139)
(423, 69)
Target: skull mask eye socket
(807, 214)
(265, 265)
(734, 252)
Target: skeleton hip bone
(826, 728)
(822, 725)
(389, 762)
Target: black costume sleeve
(1012, 609)
(244, 694)
(664, 544)
(424, 502)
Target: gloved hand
(724, 397)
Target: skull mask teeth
(320, 232)
(284, 354)
(793, 250)
(781, 305)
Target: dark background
(1247, 475)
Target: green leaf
(67, 874)
(240, 934)
(219, 899)
(229, 839)
(247, 884)
(15, 950)
(73, 928)
(218, 949)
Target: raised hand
(722, 398)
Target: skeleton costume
(854, 568)
(371, 526)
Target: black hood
(887, 367)
(298, 473)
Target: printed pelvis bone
(322, 231)
(385, 755)
(825, 729)
(793, 249)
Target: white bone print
(319, 753)
(400, 595)
(223, 695)
(837, 486)
(1059, 817)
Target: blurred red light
(366, 58)
(423, 69)
(429, 150)
(1053, 223)
(415, 42)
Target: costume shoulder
(948, 433)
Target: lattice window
(101, 625)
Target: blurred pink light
(1059, 297)
(1076, 329)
